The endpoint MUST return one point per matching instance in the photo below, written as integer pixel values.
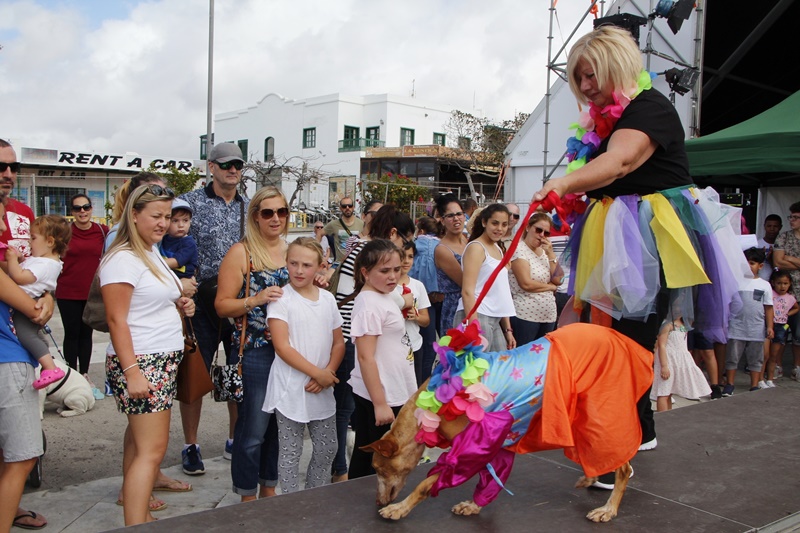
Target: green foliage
(177, 180)
(394, 189)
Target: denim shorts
(20, 422)
(697, 341)
(160, 369)
(781, 334)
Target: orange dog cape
(594, 378)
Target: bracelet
(128, 368)
(508, 330)
(246, 306)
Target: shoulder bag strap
(244, 318)
(345, 226)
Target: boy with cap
(178, 247)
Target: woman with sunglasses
(262, 253)
(534, 282)
(80, 264)
(447, 257)
(320, 237)
(143, 305)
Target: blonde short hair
(613, 55)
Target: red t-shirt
(81, 261)
(18, 233)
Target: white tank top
(498, 301)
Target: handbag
(194, 382)
(94, 313)
(227, 379)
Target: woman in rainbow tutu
(648, 236)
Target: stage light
(623, 20)
(682, 80)
(675, 11)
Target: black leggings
(77, 335)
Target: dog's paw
(601, 514)
(584, 482)
(466, 508)
(395, 511)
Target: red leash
(551, 201)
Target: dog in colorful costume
(564, 390)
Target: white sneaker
(762, 385)
(796, 373)
(769, 383)
(649, 445)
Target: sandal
(32, 516)
(173, 485)
(155, 504)
(48, 377)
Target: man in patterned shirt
(218, 223)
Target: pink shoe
(48, 377)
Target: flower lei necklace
(594, 126)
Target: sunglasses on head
(267, 214)
(158, 190)
(84, 207)
(451, 216)
(238, 165)
(346, 206)
(15, 166)
(540, 231)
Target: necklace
(595, 125)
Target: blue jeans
(254, 460)
(343, 393)
(525, 331)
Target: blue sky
(122, 75)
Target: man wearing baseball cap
(218, 219)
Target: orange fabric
(594, 378)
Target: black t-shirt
(653, 114)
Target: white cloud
(136, 80)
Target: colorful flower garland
(454, 388)
(594, 126)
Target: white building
(331, 133)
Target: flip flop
(27, 514)
(174, 485)
(155, 505)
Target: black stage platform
(726, 465)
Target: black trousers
(77, 335)
(366, 433)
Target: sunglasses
(13, 166)
(84, 207)
(371, 213)
(346, 206)
(451, 216)
(540, 231)
(319, 227)
(267, 214)
(158, 190)
(238, 165)
(515, 215)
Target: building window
(243, 147)
(309, 137)
(438, 138)
(269, 149)
(374, 133)
(465, 143)
(350, 137)
(406, 136)
(203, 151)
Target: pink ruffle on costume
(480, 443)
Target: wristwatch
(554, 260)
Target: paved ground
(84, 456)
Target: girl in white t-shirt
(306, 330)
(50, 235)
(383, 378)
(416, 314)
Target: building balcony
(360, 144)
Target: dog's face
(392, 466)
